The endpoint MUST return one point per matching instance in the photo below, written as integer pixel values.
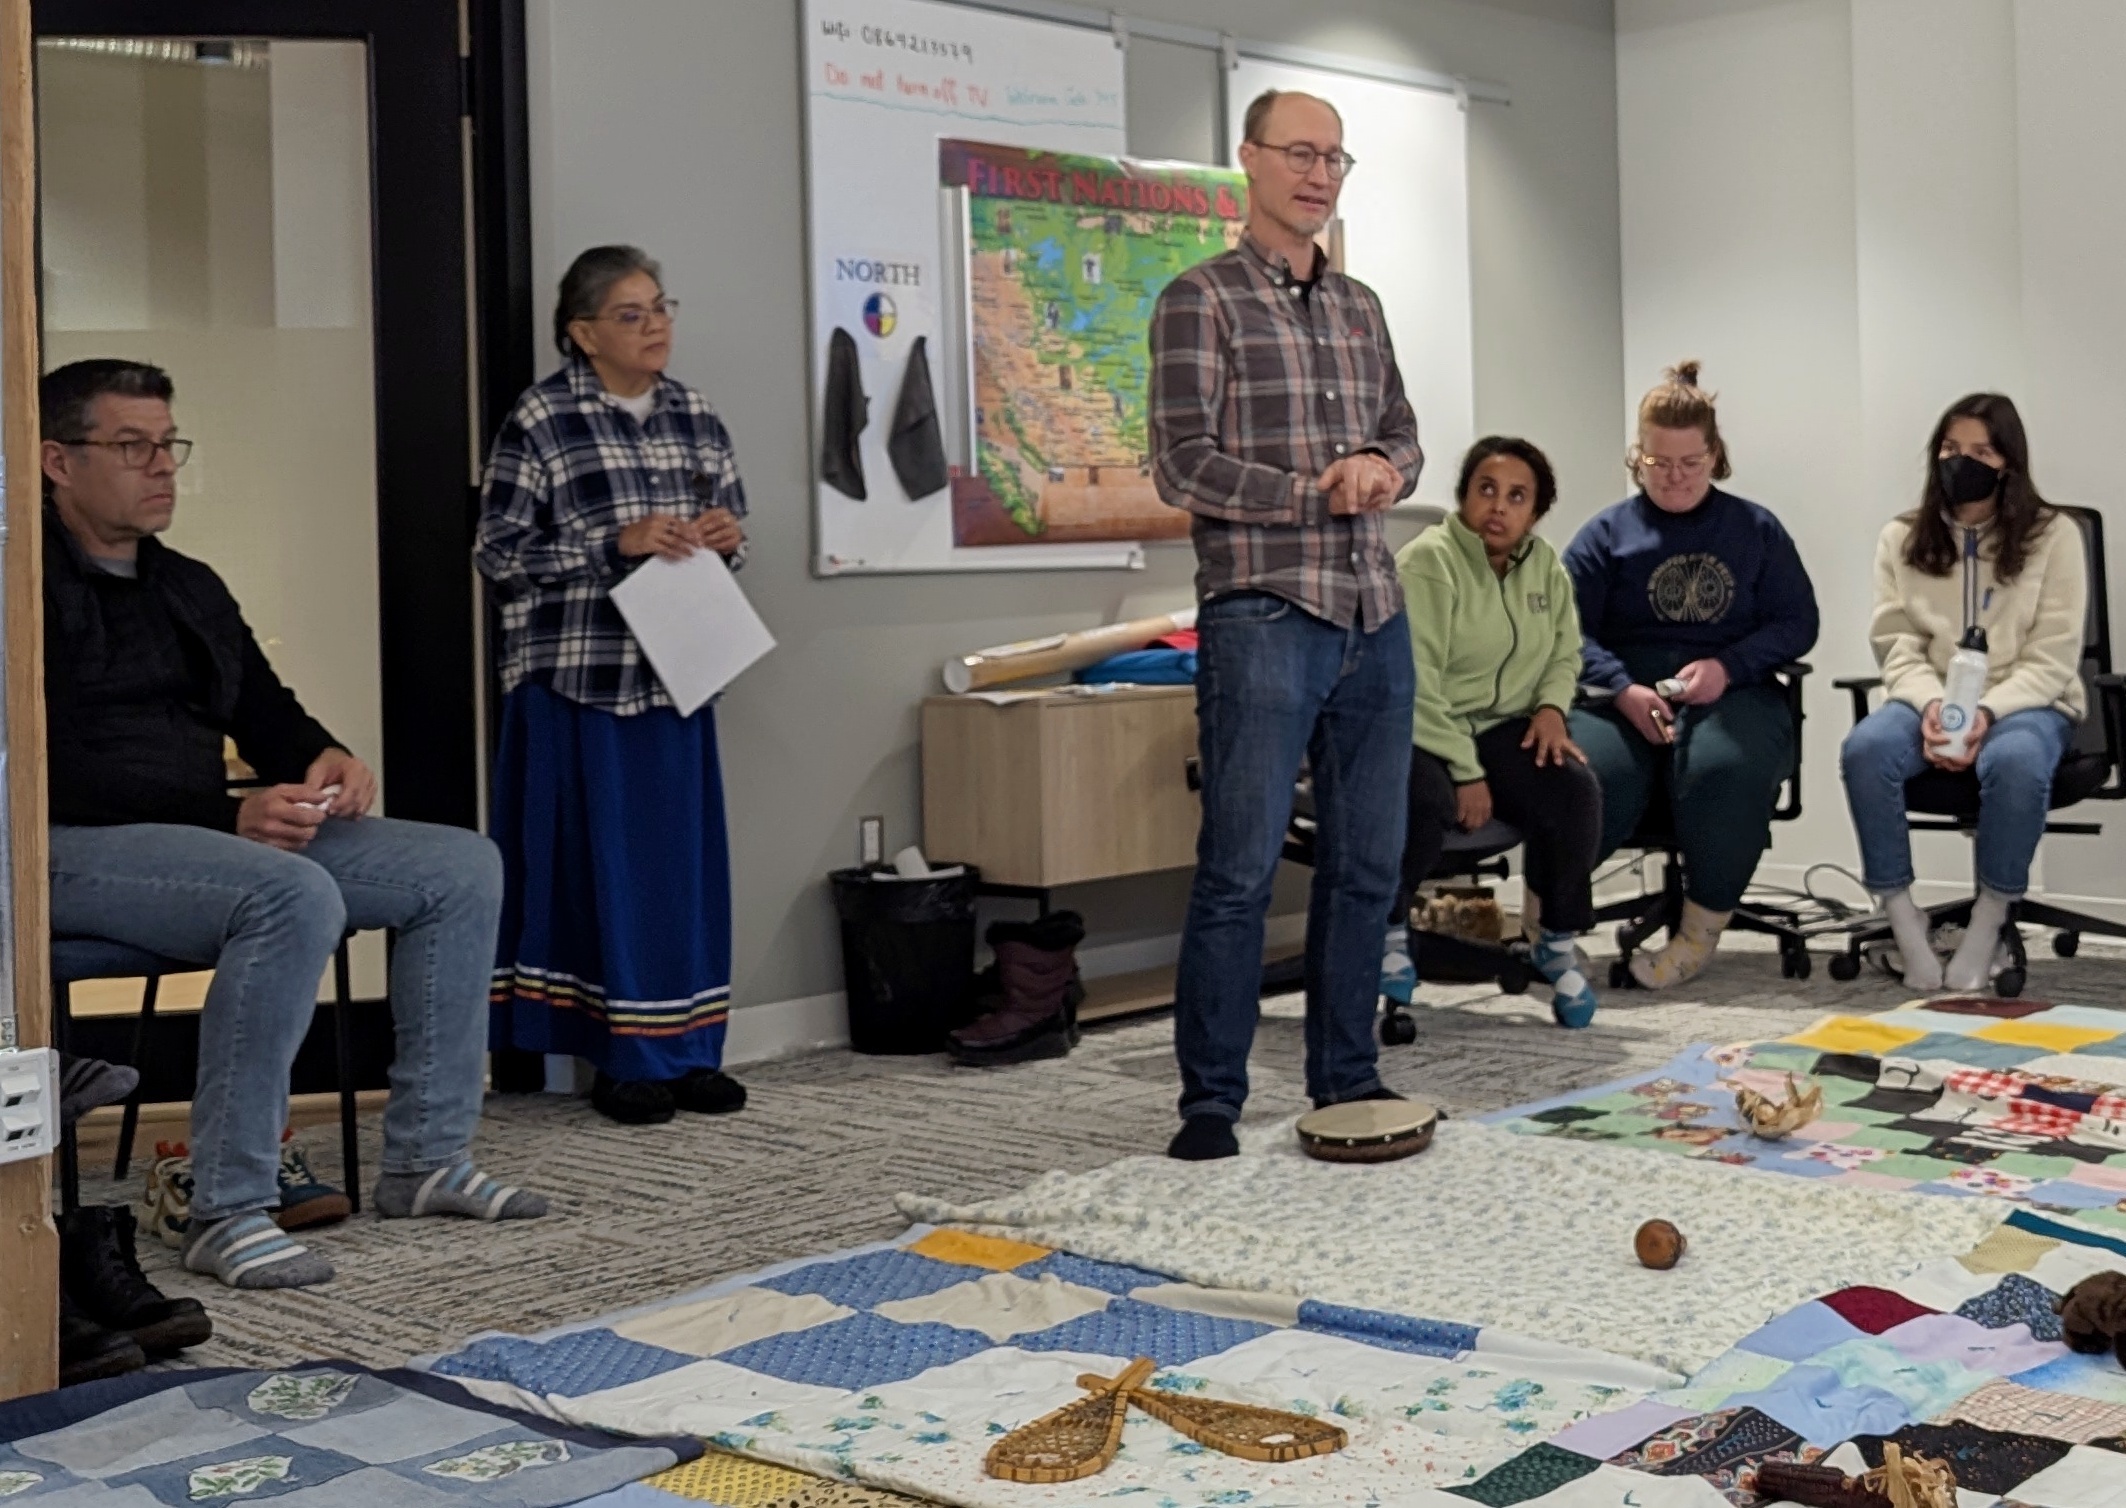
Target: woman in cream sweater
(1982, 550)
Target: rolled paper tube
(1814, 1486)
(1058, 653)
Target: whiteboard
(1405, 210)
(884, 80)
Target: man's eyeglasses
(1302, 157)
(634, 317)
(1683, 466)
(138, 455)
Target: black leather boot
(87, 1351)
(100, 1271)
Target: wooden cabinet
(1061, 789)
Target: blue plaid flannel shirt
(569, 471)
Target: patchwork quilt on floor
(1523, 1234)
(2014, 1100)
(897, 1366)
(1962, 1362)
(326, 1436)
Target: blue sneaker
(1398, 970)
(1572, 995)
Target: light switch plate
(29, 1103)
(871, 841)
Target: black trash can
(907, 958)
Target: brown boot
(1036, 1014)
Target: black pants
(1558, 809)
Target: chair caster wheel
(1844, 967)
(2066, 944)
(1795, 963)
(1397, 1029)
(1620, 976)
(2008, 983)
(1514, 978)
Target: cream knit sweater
(2033, 624)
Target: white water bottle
(1961, 690)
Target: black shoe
(1377, 1092)
(87, 1351)
(100, 1272)
(632, 1102)
(708, 1091)
(1204, 1138)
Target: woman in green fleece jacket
(1497, 641)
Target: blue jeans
(2015, 767)
(1275, 686)
(268, 922)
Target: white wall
(676, 124)
(1856, 211)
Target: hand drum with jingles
(1367, 1130)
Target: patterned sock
(1687, 953)
(1908, 924)
(460, 1189)
(1971, 969)
(1572, 996)
(250, 1251)
(1398, 968)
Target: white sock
(1908, 924)
(1971, 970)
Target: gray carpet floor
(811, 1166)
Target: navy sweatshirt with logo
(1658, 590)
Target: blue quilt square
(20, 1476)
(1392, 1332)
(862, 1351)
(876, 1277)
(2015, 1300)
(1129, 1327)
(1103, 1277)
(1816, 1404)
(269, 1467)
(2063, 1194)
(1800, 1333)
(1969, 1052)
(572, 1365)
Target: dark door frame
(421, 90)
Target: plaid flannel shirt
(1257, 390)
(569, 471)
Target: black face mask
(1965, 480)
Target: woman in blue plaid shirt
(608, 805)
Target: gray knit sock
(250, 1251)
(460, 1189)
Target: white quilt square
(1000, 1305)
(710, 1327)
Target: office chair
(2091, 770)
(1649, 912)
(1465, 855)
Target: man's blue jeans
(1275, 686)
(2015, 767)
(268, 922)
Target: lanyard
(1970, 580)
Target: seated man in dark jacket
(148, 667)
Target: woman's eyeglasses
(1681, 466)
(634, 316)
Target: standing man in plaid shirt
(1279, 422)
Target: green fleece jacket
(1488, 648)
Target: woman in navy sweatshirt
(1684, 582)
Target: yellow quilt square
(970, 1250)
(2035, 1033)
(2007, 1249)
(1854, 1034)
(728, 1481)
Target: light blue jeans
(2015, 767)
(268, 922)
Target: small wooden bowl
(1660, 1245)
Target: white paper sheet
(694, 625)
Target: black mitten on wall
(917, 445)
(841, 460)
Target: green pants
(1720, 778)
